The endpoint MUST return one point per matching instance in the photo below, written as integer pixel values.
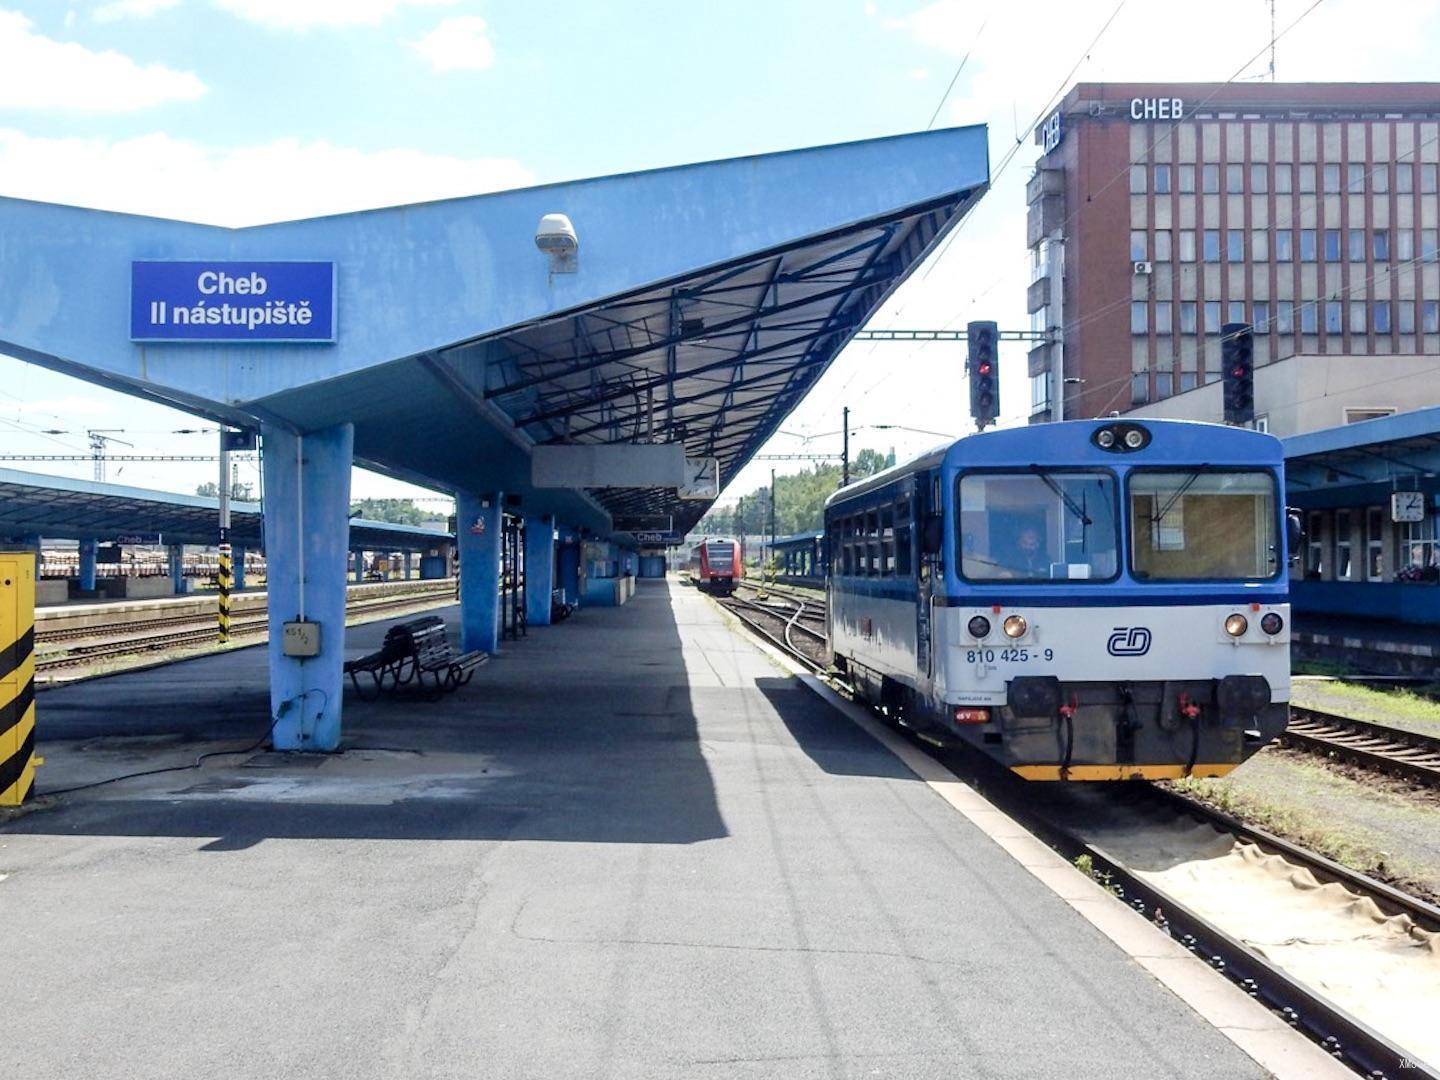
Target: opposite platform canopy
(706, 300)
(1364, 459)
(65, 508)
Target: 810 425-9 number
(1007, 656)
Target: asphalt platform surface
(632, 847)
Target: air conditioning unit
(1144, 268)
(1097, 108)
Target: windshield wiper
(1069, 501)
(1179, 494)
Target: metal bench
(413, 650)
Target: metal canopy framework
(61, 507)
(714, 360)
(1362, 460)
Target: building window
(1234, 245)
(1139, 321)
(1357, 316)
(1332, 245)
(1235, 311)
(1307, 245)
(1212, 245)
(1162, 179)
(1355, 240)
(1315, 546)
(1404, 177)
(1343, 567)
(1138, 245)
(1284, 245)
(1187, 179)
(1139, 388)
(1137, 179)
(1162, 316)
(1380, 179)
(1427, 179)
(1210, 179)
(1430, 316)
(1355, 180)
(1284, 179)
(1040, 320)
(1382, 316)
(1262, 424)
(1332, 316)
(1332, 179)
(1187, 381)
(1164, 384)
(1427, 245)
(1405, 315)
(1162, 245)
(1307, 179)
(1380, 245)
(1187, 316)
(1261, 320)
(1259, 179)
(1235, 179)
(1419, 551)
(1285, 316)
(1187, 245)
(1212, 316)
(1405, 245)
(1259, 245)
(1309, 317)
(1040, 392)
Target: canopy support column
(477, 532)
(539, 569)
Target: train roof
(1068, 442)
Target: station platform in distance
(633, 846)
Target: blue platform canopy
(62, 507)
(1358, 464)
(708, 298)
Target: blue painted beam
(477, 529)
(307, 497)
(539, 569)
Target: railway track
(1380, 747)
(1360, 1046)
(136, 637)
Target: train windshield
(1038, 525)
(1189, 525)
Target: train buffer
(412, 652)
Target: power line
(956, 77)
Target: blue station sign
(232, 301)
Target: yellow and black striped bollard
(225, 579)
(17, 678)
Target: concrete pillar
(359, 565)
(407, 565)
(478, 523)
(177, 567)
(569, 569)
(238, 557)
(539, 569)
(307, 523)
(89, 556)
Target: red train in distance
(715, 565)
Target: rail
(1379, 747)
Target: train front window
(1038, 525)
(1203, 525)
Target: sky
(243, 111)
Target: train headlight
(1236, 624)
(1105, 438)
(1015, 626)
(1272, 623)
(979, 626)
(1134, 439)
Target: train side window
(902, 551)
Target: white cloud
(42, 73)
(304, 14)
(168, 177)
(116, 10)
(458, 44)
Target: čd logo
(1129, 641)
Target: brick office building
(1158, 212)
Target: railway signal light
(1237, 359)
(983, 367)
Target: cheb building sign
(232, 301)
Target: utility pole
(225, 578)
(98, 438)
(772, 515)
(845, 449)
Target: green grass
(1402, 707)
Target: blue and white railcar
(1088, 600)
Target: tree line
(799, 500)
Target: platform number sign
(1407, 506)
